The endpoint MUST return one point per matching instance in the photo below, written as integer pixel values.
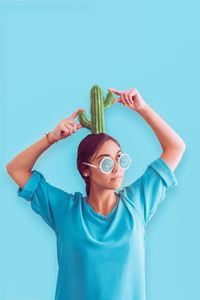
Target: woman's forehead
(108, 152)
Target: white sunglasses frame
(99, 167)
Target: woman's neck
(104, 202)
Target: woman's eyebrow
(108, 154)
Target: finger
(68, 121)
(131, 96)
(79, 126)
(74, 114)
(67, 128)
(75, 125)
(133, 91)
(116, 100)
(123, 99)
(126, 97)
(118, 92)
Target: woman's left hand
(130, 98)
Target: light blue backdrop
(51, 54)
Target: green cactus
(97, 106)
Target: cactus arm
(109, 99)
(83, 120)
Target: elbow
(183, 147)
(8, 168)
(180, 145)
(14, 170)
(179, 149)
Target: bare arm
(172, 144)
(19, 168)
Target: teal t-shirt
(100, 257)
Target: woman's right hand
(65, 128)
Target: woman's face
(109, 181)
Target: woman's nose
(116, 167)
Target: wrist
(143, 108)
(49, 139)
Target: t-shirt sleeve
(50, 202)
(149, 190)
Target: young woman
(101, 236)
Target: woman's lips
(117, 178)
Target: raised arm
(172, 144)
(20, 167)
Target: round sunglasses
(106, 165)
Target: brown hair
(87, 148)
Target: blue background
(51, 54)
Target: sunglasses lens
(125, 161)
(107, 165)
